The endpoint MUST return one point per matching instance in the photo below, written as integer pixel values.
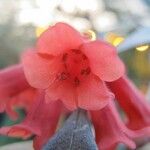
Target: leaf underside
(76, 134)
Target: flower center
(75, 67)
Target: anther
(85, 71)
(64, 57)
(63, 76)
(65, 65)
(76, 51)
(88, 70)
(76, 81)
(84, 57)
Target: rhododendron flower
(71, 68)
(134, 104)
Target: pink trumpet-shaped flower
(41, 120)
(72, 69)
(134, 104)
(109, 128)
(84, 74)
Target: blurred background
(123, 23)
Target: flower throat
(75, 67)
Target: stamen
(84, 57)
(46, 56)
(82, 72)
(64, 57)
(86, 71)
(76, 51)
(65, 65)
(76, 81)
(63, 76)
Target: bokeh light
(142, 48)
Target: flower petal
(109, 128)
(64, 91)
(134, 104)
(103, 59)
(59, 38)
(16, 131)
(52, 113)
(40, 71)
(3, 105)
(12, 81)
(22, 100)
(93, 93)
